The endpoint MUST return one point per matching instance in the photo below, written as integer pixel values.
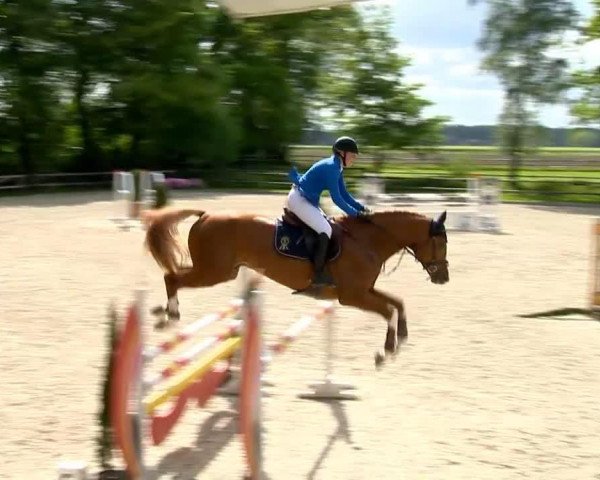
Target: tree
(99, 84)
(83, 31)
(164, 95)
(584, 137)
(587, 108)
(519, 41)
(369, 94)
(273, 67)
(29, 115)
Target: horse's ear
(437, 226)
(442, 218)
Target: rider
(303, 199)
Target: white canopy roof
(258, 8)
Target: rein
(402, 252)
(388, 234)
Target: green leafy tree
(369, 94)
(29, 115)
(273, 66)
(518, 41)
(583, 137)
(83, 30)
(587, 107)
(164, 95)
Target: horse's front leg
(397, 328)
(374, 302)
(397, 331)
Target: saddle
(293, 238)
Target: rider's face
(350, 158)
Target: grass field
(568, 175)
(555, 174)
(477, 148)
(558, 174)
(473, 157)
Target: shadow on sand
(569, 314)
(342, 432)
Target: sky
(440, 37)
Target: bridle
(435, 264)
(431, 267)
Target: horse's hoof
(160, 324)
(383, 357)
(161, 317)
(391, 344)
(379, 359)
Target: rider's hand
(363, 215)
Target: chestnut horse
(220, 244)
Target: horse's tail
(162, 236)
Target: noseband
(432, 266)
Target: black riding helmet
(345, 144)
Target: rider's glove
(363, 214)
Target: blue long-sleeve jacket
(326, 174)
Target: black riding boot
(321, 278)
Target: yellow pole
(186, 377)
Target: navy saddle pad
(299, 242)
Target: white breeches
(307, 212)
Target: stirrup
(317, 284)
(322, 279)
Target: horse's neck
(391, 231)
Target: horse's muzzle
(438, 272)
(441, 278)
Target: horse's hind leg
(172, 284)
(187, 277)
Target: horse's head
(424, 238)
(432, 251)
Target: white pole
(328, 389)
(329, 319)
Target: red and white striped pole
(250, 386)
